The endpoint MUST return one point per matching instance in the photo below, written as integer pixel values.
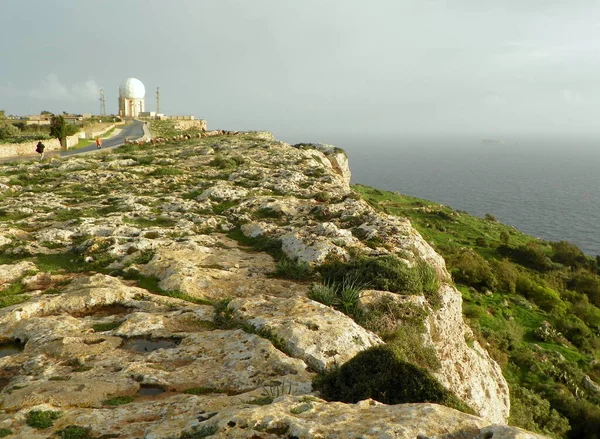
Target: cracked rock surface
(137, 303)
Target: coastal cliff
(145, 287)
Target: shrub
(42, 419)
(586, 283)
(505, 274)
(568, 254)
(377, 373)
(75, 432)
(408, 345)
(530, 255)
(576, 331)
(544, 297)
(480, 241)
(504, 237)
(8, 130)
(471, 269)
(5, 432)
(532, 412)
(226, 162)
(583, 415)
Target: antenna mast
(102, 103)
(157, 100)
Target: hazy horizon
(317, 69)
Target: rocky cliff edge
(144, 313)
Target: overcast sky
(306, 69)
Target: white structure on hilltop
(131, 98)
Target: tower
(157, 100)
(102, 103)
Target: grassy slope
(544, 370)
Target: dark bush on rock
(377, 373)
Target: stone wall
(86, 134)
(184, 125)
(28, 148)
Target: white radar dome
(132, 88)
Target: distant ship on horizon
(492, 142)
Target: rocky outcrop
(145, 300)
(467, 369)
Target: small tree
(60, 129)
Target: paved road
(135, 130)
(132, 131)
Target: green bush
(530, 255)
(469, 268)
(531, 412)
(577, 332)
(586, 283)
(8, 130)
(544, 297)
(568, 254)
(583, 415)
(222, 162)
(377, 373)
(505, 274)
(75, 432)
(5, 432)
(42, 419)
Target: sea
(545, 187)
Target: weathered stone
(316, 333)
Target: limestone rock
(316, 333)
(10, 273)
(469, 371)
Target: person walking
(98, 142)
(40, 147)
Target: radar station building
(131, 98)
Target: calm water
(546, 188)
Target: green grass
(259, 243)
(201, 390)
(151, 283)
(103, 327)
(5, 432)
(440, 224)
(12, 295)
